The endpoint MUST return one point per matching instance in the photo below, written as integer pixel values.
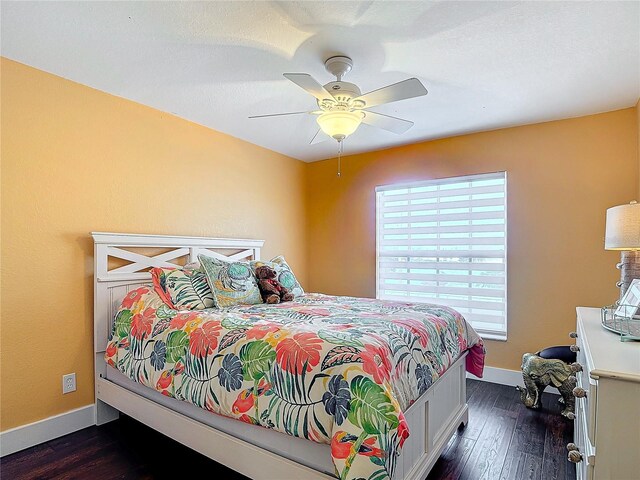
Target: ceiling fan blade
(277, 114)
(319, 137)
(386, 122)
(392, 93)
(310, 84)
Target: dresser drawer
(584, 381)
(584, 468)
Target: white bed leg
(105, 413)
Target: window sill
(499, 337)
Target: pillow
(183, 288)
(283, 273)
(232, 283)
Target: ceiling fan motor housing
(343, 92)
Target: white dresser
(607, 420)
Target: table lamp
(623, 233)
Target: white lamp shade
(623, 227)
(340, 124)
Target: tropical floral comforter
(334, 370)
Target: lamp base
(629, 269)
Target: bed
(379, 387)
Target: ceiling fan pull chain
(339, 155)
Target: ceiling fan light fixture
(340, 124)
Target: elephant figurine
(539, 371)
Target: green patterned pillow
(232, 283)
(183, 288)
(284, 274)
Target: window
(444, 242)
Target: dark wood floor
(503, 440)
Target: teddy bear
(271, 289)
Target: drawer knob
(573, 335)
(572, 446)
(579, 392)
(572, 378)
(571, 415)
(574, 348)
(574, 456)
(576, 367)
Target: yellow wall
(638, 135)
(75, 160)
(562, 176)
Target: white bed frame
(432, 419)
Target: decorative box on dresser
(606, 442)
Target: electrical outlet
(69, 383)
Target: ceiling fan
(342, 106)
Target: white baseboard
(500, 375)
(35, 433)
(505, 377)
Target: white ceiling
(486, 64)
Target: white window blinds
(444, 242)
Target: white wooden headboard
(112, 283)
